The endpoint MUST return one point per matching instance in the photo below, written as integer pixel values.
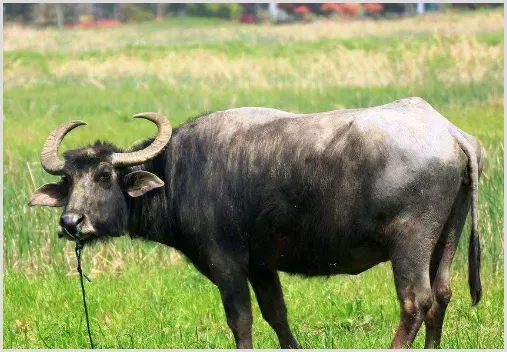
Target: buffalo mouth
(81, 236)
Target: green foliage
(221, 10)
(17, 11)
(135, 12)
(491, 38)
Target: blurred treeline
(50, 14)
(44, 14)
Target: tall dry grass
(463, 61)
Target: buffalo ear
(51, 195)
(138, 183)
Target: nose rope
(79, 247)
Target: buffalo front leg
(268, 290)
(233, 287)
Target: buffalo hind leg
(442, 295)
(268, 290)
(439, 269)
(410, 262)
(232, 283)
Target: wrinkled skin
(245, 193)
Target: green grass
(258, 46)
(143, 295)
(176, 307)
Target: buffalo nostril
(70, 222)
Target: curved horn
(148, 153)
(49, 155)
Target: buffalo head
(96, 181)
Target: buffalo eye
(105, 176)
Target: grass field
(144, 295)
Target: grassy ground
(145, 295)
(176, 307)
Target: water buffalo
(245, 193)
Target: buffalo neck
(149, 214)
